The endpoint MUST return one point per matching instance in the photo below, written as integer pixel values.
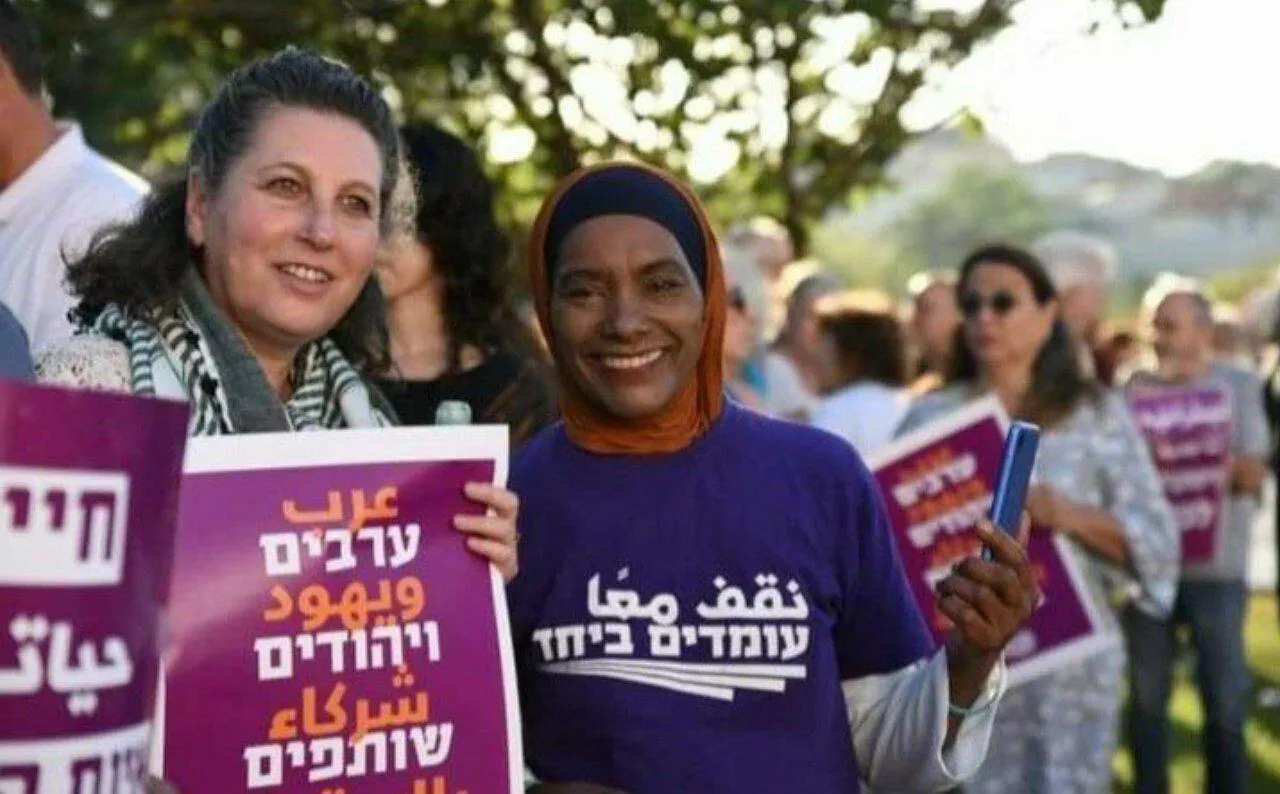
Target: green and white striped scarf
(170, 356)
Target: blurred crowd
(449, 328)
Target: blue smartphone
(1010, 497)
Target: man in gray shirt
(1211, 595)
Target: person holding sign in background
(1211, 595)
(710, 600)
(1096, 487)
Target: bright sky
(1194, 87)
(1175, 95)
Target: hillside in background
(1221, 219)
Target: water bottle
(453, 412)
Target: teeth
(306, 273)
(630, 362)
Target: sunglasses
(1001, 303)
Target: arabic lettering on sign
(403, 601)
(45, 658)
(385, 506)
(308, 721)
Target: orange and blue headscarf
(638, 190)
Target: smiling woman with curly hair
(455, 334)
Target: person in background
(1095, 486)
(1211, 596)
(456, 334)
(1231, 338)
(747, 303)
(767, 242)
(1271, 400)
(655, 502)
(1082, 268)
(792, 368)
(55, 191)
(1124, 350)
(865, 369)
(15, 353)
(934, 318)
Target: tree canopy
(775, 106)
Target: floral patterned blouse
(1058, 732)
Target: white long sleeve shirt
(899, 724)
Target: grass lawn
(1262, 733)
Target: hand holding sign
(493, 536)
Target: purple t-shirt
(683, 622)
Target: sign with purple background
(1189, 434)
(331, 631)
(937, 482)
(89, 490)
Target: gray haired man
(1082, 268)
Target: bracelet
(991, 697)
(961, 711)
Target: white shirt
(899, 725)
(865, 414)
(785, 394)
(54, 207)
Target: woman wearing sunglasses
(1096, 487)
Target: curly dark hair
(1058, 382)
(140, 265)
(455, 219)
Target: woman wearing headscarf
(1095, 486)
(710, 600)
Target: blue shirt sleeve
(15, 356)
(880, 628)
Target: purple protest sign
(89, 484)
(1189, 434)
(937, 483)
(331, 630)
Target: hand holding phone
(1014, 480)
